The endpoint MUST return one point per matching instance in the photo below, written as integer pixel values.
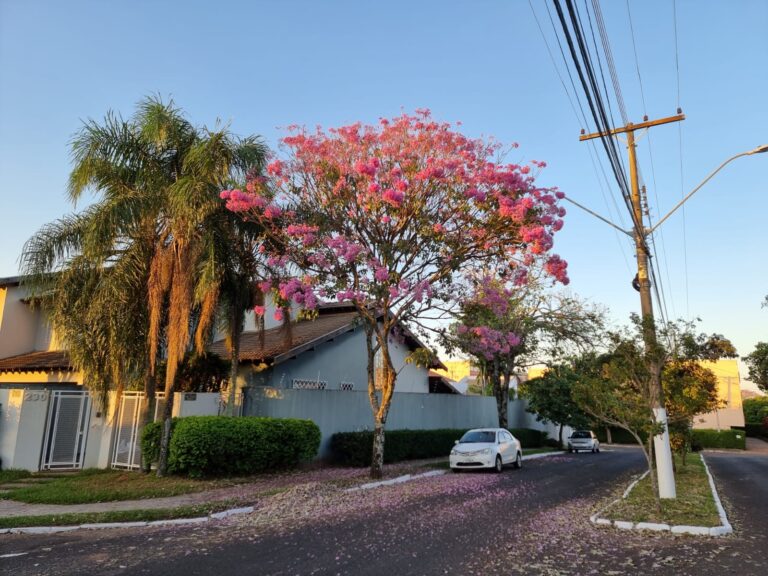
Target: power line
(594, 98)
(682, 175)
(650, 155)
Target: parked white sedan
(486, 448)
(583, 440)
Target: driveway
(528, 522)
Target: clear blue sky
(265, 65)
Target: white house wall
(342, 360)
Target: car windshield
(477, 436)
(581, 434)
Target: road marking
(13, 554)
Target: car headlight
(454, 452)
(486, 451)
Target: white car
(583, 440)
(486, 448)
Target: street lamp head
(760, 149)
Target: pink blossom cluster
(239, 201)
(409, 185)
(488, 342)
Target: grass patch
(694, 505)
(119, 516)
(13, 474)
(94, 485)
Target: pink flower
(259, 310)
(381, 274)
(279, 314)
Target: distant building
(730, 394)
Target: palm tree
(157, 220)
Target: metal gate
(127, 452)
(66, 430)
(127, 449)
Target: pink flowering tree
(506, 325)
(389, 218)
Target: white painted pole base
(664, 470)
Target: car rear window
(581, 434)
(477, 436)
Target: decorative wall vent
(299, 384)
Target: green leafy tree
(153, 250)
(757, 362)
(508, 326)
(550, 397)
(689, 389)
(755, 409)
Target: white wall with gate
(43, 429)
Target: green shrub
(755, 409)
(618, 436)
(718, 439)
(354, 448)
(150, 439)
(224, 446)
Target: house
(731, 412)
(324, 353)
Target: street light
(758, 150)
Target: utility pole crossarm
(632, 127)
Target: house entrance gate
(66, 430)
(127, 450)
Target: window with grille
(300, 384)
(346, 386)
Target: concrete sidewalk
(757, 446)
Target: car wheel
(519, 461)
(498, 467)
(455, 470)
(593, 449)
(570, 450)
(597, 449)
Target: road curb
(136, 524)
(724, 529)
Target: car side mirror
(455, 442)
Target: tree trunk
(165, 441)
(501, 394)
(377, 454)
(560, 436)
(380, 405)
(608, 435)
(234, 359)
(147, 414)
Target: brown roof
(304, 334)
(10, 281)
(36, 362)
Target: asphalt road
(528, 522)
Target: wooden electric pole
(665, 472)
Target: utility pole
(664, 469)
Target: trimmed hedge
(354, 448)
(757, 430)
(225, 446)
(618, 436)
(703, 438)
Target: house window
(299, 384)
(348, 386)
